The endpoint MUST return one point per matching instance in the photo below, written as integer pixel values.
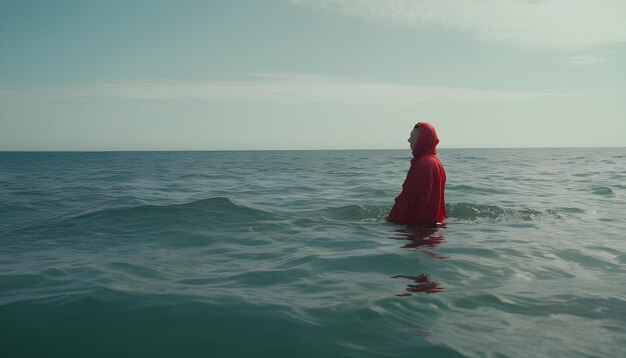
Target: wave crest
(456, 212)
(221, 208)
(476, 212)
(364, 213)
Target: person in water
(421, 201)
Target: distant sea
(287, 254)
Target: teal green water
(282, 254)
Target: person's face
(413, 138)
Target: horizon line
(284, 150)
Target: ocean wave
(456, 212)
(364, 213)
(478, 212)
(221, 212)
(217, 207)
(602, 191)
(197, 214)
(463, 188)
(16, 206)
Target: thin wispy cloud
(278, 88)
(555, 24)
(585, 59)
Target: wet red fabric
(422, 198)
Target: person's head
(423, 139)
(414, 135)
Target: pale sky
(310, 74)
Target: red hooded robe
(421, 200)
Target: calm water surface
(283, 254)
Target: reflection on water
(418, 238)
(424, 285)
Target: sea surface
(287, 254)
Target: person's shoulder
(426, 160)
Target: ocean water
(287, 254)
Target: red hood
(427, 140)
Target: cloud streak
(273, 87)
(554, 24)
(585, 59)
